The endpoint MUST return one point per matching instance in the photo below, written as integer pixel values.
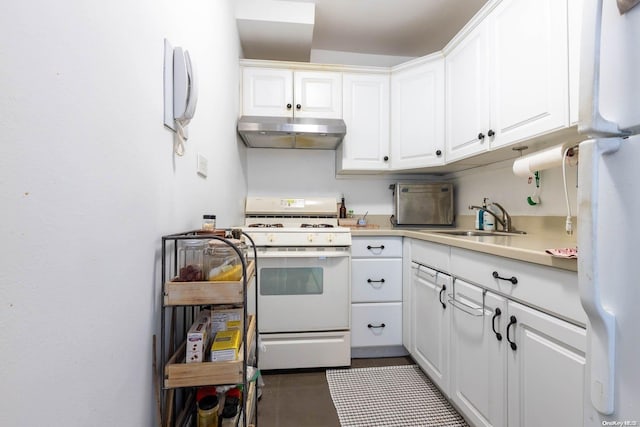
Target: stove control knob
(330, 237)
(310, 237)
(271, 238)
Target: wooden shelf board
(203, 293)
(179, 374)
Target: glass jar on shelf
(222, 262)
(208, 223)
(191, 261)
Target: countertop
(541, 233)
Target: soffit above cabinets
(289, 30)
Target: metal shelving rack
(183, 300)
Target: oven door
(304, 289)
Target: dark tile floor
(301, 398)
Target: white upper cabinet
(467, 96)
(529, 70)
(317, 94)
(417, 115)
(267, 92)
(365, 109)
(285, 93)
(508, 78)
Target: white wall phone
(180, 93)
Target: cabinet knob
(386, 158)
(288, 106)
(438, 152)
(490, 133)
(298, 106)
(481, 136)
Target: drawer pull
(381, 247)
(512, 322)
(370, 326)
(444, 288)
(498, 312)
(375, 281)
(512, 279)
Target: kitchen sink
(472, 233)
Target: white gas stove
(281, 221)
(304, 281)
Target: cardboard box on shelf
(227, 319)
(198, 338)
(226, 345)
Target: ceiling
(289, 30)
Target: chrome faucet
(505, 221)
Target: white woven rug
(389, 396)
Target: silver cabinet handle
(469, 309)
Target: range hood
(290, 132)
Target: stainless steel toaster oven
(422, 203)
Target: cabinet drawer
(429, 254)
(376, 247)
(549, 289)
(376, 280)
(376, 324)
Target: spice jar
(222, 262)
(191, 261)
(208, 411)
(208, 222)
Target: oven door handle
(303, 254)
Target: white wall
(89, 184)
(499, 184)
(312, 172)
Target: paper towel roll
(549, 158)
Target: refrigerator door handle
(591, 122)
(602, 323)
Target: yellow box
(226, 345)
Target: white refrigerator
(609, 210)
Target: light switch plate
(203, 165)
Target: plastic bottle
(488, 219)
(480, 219)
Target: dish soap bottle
(480, 215)
(343, 209)
(489, 220)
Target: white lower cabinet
(376, 324)
(430, 323)
(376, 297)
(546, 371)
(489, 344)
(478, 358)
(512, 365)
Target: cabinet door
(530, 69)
(430, 323)
(365, 109)
(317, 94)
(546, 371)
(267, 92)
(478, 358)
(417, 116)
(467, 96)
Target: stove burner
(316, 226)
(266, 225)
